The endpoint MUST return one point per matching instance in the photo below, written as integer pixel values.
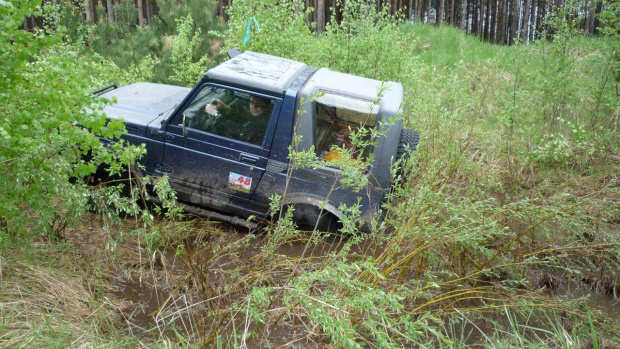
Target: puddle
(140, 302)
(604, 303)
(152, 311)
(153, 308)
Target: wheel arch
(313, 200)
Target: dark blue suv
(225, 143)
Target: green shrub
(153, 51)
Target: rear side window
(338, 117)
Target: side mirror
(184, 130)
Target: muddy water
(141, 302)
(606, 304)
(149, 306)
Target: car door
(216, 149)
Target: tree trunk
(428, 11)
(309, 18)
(88, 7)
(487, 20)
(589, 28)
(540, 15)
(596, 23)
(476, 21)
(504, 23)
(492, 27)
(410, 10)
(442, 10)
(463, 14)
(220, 8)
(450, 18)
(480, 13)
(535, 19)
(417, 16)
(471, 16)
(110, 11)
(151, 10)
(27, 23)
(583, 25)
(514, 22)
(339, 6)
(320, 16)
(526, 21)
(533, 15)
(95, 4)
(498, 22)
(225, 4)
(141, 13)
(480, 19)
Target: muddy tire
(408, 142)
(305, 217)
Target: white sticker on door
(239, 182)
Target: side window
(337, 118)
(230, 113)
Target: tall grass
(513, 189)
(48, 304)
(480, 216)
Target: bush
(49, 135)
(157, 51)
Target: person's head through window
(260, 106)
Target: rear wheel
(408, 142)
(307, 217)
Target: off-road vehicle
(224, 144)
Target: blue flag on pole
(248, 30)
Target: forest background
(505, 234)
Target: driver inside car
(243, 122)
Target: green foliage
(49, 134)
(352, 312)
(358, 45)
(281, 24)
(514, 178)
(48, 127)
(186, 72)
(485, 199)
(168, 49)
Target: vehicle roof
(258, 71)
(353, 86)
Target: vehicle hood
(144, 103)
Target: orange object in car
(332, 155)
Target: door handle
(250, 159)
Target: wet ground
(150, 304)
